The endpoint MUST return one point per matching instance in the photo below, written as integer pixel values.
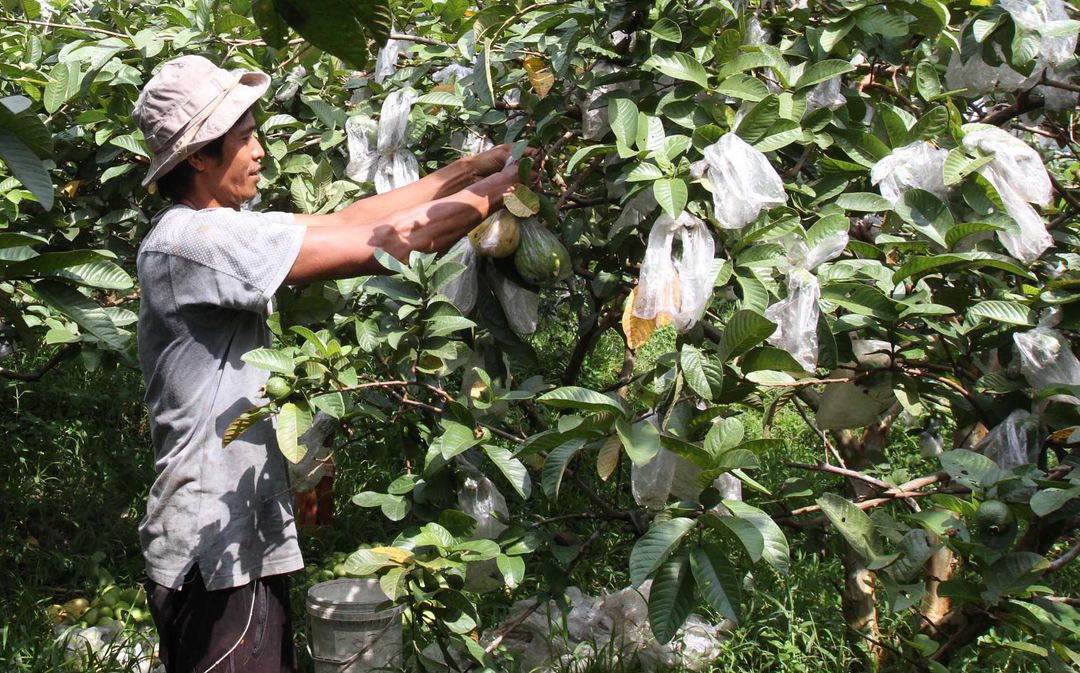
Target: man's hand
(493, 160)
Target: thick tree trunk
(934, 607)
(860, 610)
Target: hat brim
(250, 90)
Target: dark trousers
(245, 629)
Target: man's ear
(198, 161)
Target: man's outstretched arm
(343, 245)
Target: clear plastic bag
(1036, 16)
(853, 405)
(1046, 361)
(827, 94)
(1020, 178)
(651, 483)
(742, 182)
(919, 165)
(676, 286)
(470, 142)
(462, 290)
(396, 166)
(978, 78)
(292, 84)
(480, 498)
(451, 73)
(640, 206)
(521, 306)
(594, 117)
(386, 62)
(318, 457)
(1013, 442)
(800, 255)
(796, 318)
(360, 131)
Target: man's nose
(257, 152)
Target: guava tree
(863, 213)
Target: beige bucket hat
(188, 103)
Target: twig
(1068, 86)
(851, 474)
(1025, 102)
(1064, 560)
(416, 38)
(50, 24)
(1065, 194)
(805, 382)
(578, 181)
(56, 359)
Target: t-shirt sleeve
(233, 259)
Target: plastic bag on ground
(1013, 442)
(1020, 178)
(396, 166)
(676, 286)
(1046, 361)
(919, 165)
(742, 182)
(462, 290)
(796, 318)
(360, 131)
(521, 306)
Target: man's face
(236, 178)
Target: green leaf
(861, 299)
(853, 523)
(959, 165)
(931, 126)
(641, 440)
(822, 71)
(671, 194)
(671, 598)
(592, 150)
(129, 143)
(1010, 313)
(744, 531)
(667, 30)
(918, 266)
(876, 20)
(762, 117)
(926, 213)
(243, 422)
(644, 172)
(511, 468)
(690, 362)
(863, 202)
(88, 315)
(555, 466)
(769, 359)
(1050, 500)
(440, 98)
(64, 81)
(653, 548)
(725, 434)
(273, 29)
(512, 569)
(776, 551)
(971, 469)
(17, 117)
(27, 168)
(927, 80)
(744, 330)
(270, 359)
(294, 419)
(101, 274)
(623, 118)
(743, 87)
(456, 439)
(574, 397)
(679, 66)
(717, 579)
(340, 28)
(522, 201)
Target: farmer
(218, 536)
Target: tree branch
(56, 359)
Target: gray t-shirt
(206, 280)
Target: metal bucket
(346, 630)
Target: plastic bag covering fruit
(741, 180)
(827, 94)
(1012, 442)
(541, 258)
(461, 290)
(1018, 175)
(317, 461)
(1035, 16)
(639, 207)
(386, 62)
(520, 306)
(292, 84)
(594, 115)
(451, 73)
(667, 475)
(853, 405)
(1046, 361)
(497, 236)
(796, 316)
(676, 287)
(470, 142)
(919, 165)
(360, 130)
(481, 499)
(396, 166)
